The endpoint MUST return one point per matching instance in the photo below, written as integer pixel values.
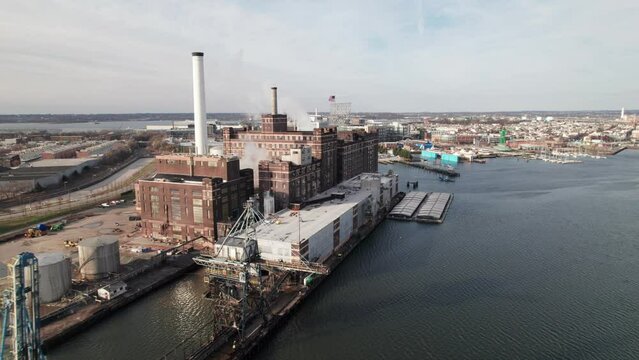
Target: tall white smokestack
(199, 107)
(274, 100)
(622, 113)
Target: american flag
(331, 98)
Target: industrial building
(99, 149)
(293, 179)
(43, 174)
(63, 151)
(316, 231)
(339, 156)
(191, 195)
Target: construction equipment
(57, 227)
(21, 310)
(33, 232)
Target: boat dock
(423, 207)
(434, 208)
(408, 206)
(423, 165)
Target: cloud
(420, 17)
(437, 55)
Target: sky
(134, 56)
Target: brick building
(293, 179)
(332, 158)
(62, 152)
(356, 153)
(192, 196)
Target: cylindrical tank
(55, 276)
(99, 256)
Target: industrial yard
(85, 267)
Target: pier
(422, 165)
(423, 207)
(408, 206)
(434, 208)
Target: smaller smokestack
(274, 100)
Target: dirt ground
(90, 223)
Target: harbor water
(533, 261)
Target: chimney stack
(274, 100)
(199, 107)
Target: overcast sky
(440, 55)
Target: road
(109, 183)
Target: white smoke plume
(297, 116)
(251, 159)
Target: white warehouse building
(320, 228)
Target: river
(60, 127)
(534, 261)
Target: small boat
(445, 178)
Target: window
(176, 207)
(197, 211)
(155, 205)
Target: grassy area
(7, 226)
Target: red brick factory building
(192, 195)
(202, 194)
(300, 164)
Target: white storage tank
(99, 256)
(55, 276)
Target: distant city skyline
(409, 56)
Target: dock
(434, 208)
(58, 327)
(408, 206)
(422, 165)
(422, 207)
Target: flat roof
(59, 162)
(291, 227)
(29, 173)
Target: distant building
(99, 149)
(62, 151)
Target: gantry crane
(21, 310)
(236, 282)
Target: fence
(65, 204)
